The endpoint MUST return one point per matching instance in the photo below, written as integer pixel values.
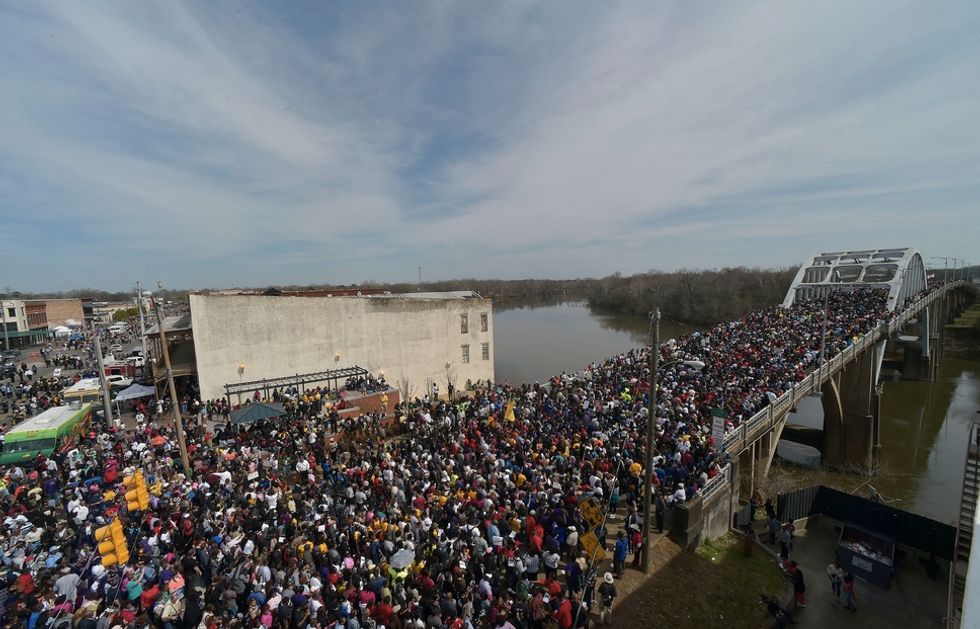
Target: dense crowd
(467, 519)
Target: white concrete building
(16, 327)
(421, 338)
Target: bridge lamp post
(652, 429)
(945, 260)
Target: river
(534, 342)
(924, 429)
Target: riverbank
(963, 335)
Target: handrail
(744, 433)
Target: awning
(134, 391)
(257, 411)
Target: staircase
(964, 530)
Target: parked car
(11, 354)
(137, 361)
(116, 348)
(118, 382)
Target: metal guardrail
(762, 422)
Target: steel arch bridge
(901, 271)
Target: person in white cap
(607, 593)
(571, 543)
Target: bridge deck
(765, 420)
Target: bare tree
(405, 388)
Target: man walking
(799, 586)
(661, 510)
(785, 538)
(607, 593)
(619, 554)
(836, 575)
(849, 592)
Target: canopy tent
(62, 330)
(257, 411)
(134, 391)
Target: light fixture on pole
(945, 260)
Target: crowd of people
(469, 518)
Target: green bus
(44, 433)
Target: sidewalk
(914, 601)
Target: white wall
(276, 336)
(20, 315)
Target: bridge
(848, 384)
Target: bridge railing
(718, 482)
(763, 421)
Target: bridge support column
(915, 365)
(766, 447)
(850, 406)
(747, 461)
(937, 335)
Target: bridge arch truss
(901, 271)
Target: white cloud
(505, 140)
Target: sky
(219, 144)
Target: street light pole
(651, 435)
(139, 304)
(173, 392)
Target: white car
(136, 361)
(118, 381)
(115, 347)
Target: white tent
(134, 391)
(62, 330)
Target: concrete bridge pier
(851, 415)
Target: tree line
(701, 297)
(694, 296)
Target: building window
(466, 353)
(12, 312)
(464, 324)
(485, 351)
(484, 322)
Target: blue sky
(214, 144)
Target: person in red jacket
(563, 615)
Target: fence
(908, 529)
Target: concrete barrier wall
(702, 519)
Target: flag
(509, 411)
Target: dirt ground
(716, 587)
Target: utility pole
(106, 400)
(139, 304)
(651, 436)
(173, 392)
(420, 278)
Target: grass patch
(717, 586)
